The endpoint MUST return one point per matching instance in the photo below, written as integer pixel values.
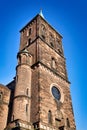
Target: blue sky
(69, 18)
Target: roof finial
(41, 14)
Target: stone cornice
(53, 71)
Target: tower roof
(41, 15)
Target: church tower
(42, 99)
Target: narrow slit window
(68, 123)
(26, 108)
(29, 41)
(49, 117)
(27, 91)
(30, 31)
(53, 63)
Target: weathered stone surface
(4, 102)
(41, 65)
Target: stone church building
(39, 96)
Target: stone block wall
(4, 103)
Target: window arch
(49, 117)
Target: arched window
(29, 31)
(53, 63)
(67, 122)
(49, 117)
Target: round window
(56, 93)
